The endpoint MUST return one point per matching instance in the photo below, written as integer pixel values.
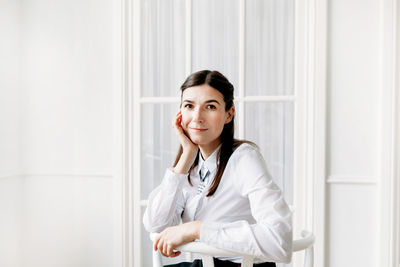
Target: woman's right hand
(184, 140)
(190, 149)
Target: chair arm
(202, 248)
(305, 242)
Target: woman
(219, 190)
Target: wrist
(185, 162)
(181, 168)
(197, 229)
(189, 154)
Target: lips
(198, 129)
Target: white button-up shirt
(246, 214)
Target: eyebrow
(208, 101)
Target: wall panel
(354, 132)
(353, 221)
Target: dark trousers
(219, 263)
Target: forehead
(202, 92)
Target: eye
(188, 106)
(211, 107)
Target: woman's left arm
(270, 238)
(175, 236)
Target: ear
(231, 113)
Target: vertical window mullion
(135, 183)
(188, 37)
(242, 66)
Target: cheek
(221, 118)
(219, 121)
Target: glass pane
(269, 47)
(163, 47)
(270, 126)
(215, 37)
(237, 120)
(159, 143)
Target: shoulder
(246, 146)
(249, 168)
(246, 152)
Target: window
(252, 44)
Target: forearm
(272, 243)
(175, 236)
(185, 162)
(192, 230)
(165, 203)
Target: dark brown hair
(229, 144)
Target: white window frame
(310, 140)
(310, 120)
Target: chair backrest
(305, 243)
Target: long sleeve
(270, 238)
(165, 203)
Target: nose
(198, 115)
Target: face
(204, 115)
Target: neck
(208, 149)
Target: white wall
(355, 51)
(57, 191)
(10, 119)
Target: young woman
(219, 190)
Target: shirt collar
(211, 162)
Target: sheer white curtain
(215, 36)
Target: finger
(156, 243)
(161, 248)
(170, 251)
(177, 120)
(178, 126)
(160, 245)
(165, 250)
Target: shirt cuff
(208, 232)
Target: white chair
(305, 243)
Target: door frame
(310, 80)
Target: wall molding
(396, 167)
(127, 193)
(352, 180)
(9, 174)
(389, 132)
(69, 174)
(57, 173)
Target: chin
(198, 141)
